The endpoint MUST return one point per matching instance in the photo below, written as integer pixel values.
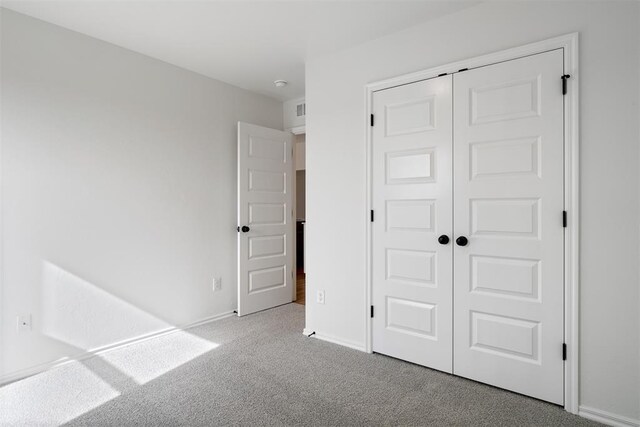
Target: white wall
(118, 191)
(609, 71)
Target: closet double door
(467, 241)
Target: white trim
(335, 340)
(572, 233)
(566, 41)
(298, 130)
(368, 191)
(607, 417)
(569, 44)
(2, 269)
(294, 220)
(18, 375)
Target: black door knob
(443, 240)
(462, 241)
(245, 229)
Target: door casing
(569, 45)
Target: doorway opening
(300, 203)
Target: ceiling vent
(293, 114)
(301, 109)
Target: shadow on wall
(80, 314)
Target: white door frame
(569, 44)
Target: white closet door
(508, 187)
(411, 175)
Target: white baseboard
(24, 373)
(335, 340)
(607, 417)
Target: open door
(265, 218)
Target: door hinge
(564, 83)
(372, 120)
(564, 219)
(564, 351)
(372, 312)
(371, 215)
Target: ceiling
(245, 43)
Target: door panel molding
(569, 46)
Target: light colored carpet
(260, 370)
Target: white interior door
(508, 196)
(265, 218)
(411, 195)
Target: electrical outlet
(23, 323)
(217, 284)
(320, 297)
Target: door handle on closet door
(244, 229)
(462, 241)
(443, 240)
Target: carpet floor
(261, 370)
